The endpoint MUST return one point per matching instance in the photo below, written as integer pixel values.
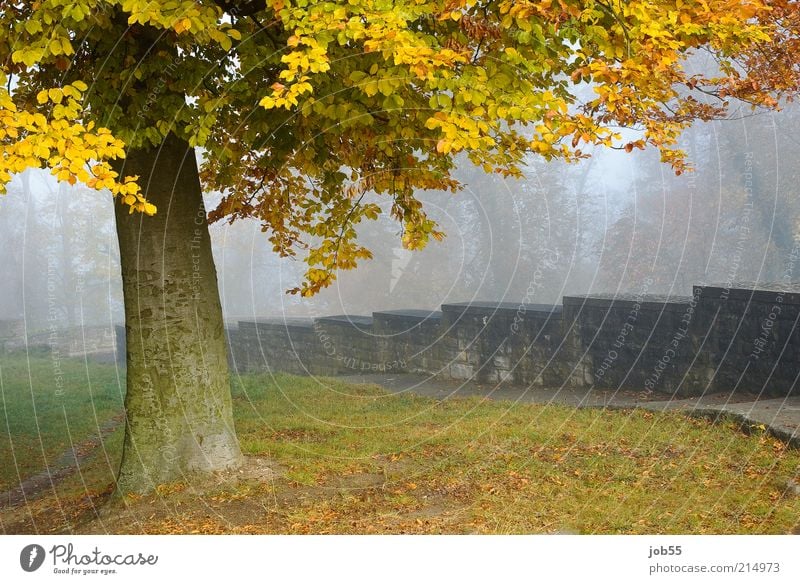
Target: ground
(333, 456)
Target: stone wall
(646, 342)
(407, 341)
(743, 337)
(11, 331)
(503, 342)
(752, 339)
(92, 341)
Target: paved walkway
(780, 416)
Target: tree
(14, 221)
(299, 109)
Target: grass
(354, 459)
(49, 405)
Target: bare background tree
(604, 225)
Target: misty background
(615, 223)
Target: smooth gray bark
(178, 404)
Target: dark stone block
(717, 339)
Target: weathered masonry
(742, 337)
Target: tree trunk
(178, 405)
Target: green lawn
(353, 459)
(475, 465)
(47, 406)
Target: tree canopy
(301, 108)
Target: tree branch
(241, 7)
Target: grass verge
(354, 459)
(49, 405)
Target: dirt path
(66, 464)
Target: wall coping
(409, 314)
(656, 302)
(767, 292)
(353, 320)
(289, 322)
(484, 307)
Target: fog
(618, 223)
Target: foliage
(303, 107)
